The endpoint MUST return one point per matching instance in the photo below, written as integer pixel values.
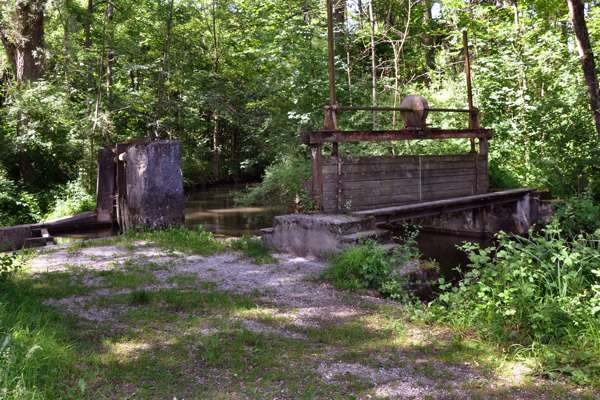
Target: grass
(36, 356)
(254, 248)
(173, 239)
(190, 341)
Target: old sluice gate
(360, 198)
(139, 185)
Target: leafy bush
(71, 200)
(254, 248)
(540, 294)
(16, 206)
(365, 266)
(283, 184)
(9, 265)
(371, 266)
(578, 215)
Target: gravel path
(293, 290)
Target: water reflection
(443, 248)
(216, 211)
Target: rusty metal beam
(320, 137)
(383, 109)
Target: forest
(237, 83)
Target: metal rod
(468, 71)
(368, 108)
(330, 53)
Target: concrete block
(153, 195)
(317, 235)
(14, 237)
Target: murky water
(444, 249)
(216, 211)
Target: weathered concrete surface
(317, 235)
(514, 217)
(105, 185)
(154, 186)
(14, 237)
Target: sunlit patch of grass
(36, 358)
(254, 248)
(181, 239)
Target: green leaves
(540, 292)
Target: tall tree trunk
(428, 41)
(23, 40)
(586, 55)
(215, 117)
(164, 71)
(373, 63)
(110, 54)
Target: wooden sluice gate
(362, 198)
(366, 198)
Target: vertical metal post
(472, 117)
(331, 53)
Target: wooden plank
(385, 176)
(408, 182)
(317, 176)
(397, 159)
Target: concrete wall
(153, 195)
(105, 185)
(316, 235)
(14, 237)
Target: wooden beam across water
(329, 136)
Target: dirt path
(338, 344)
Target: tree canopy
(236, 80)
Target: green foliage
(186, 240)
(365, 266)
(539, 295)
(140, 297)
(369, 265)
(36, 360)
(71, 200)
(10, 264)
(16, 206)
(254, 248)
(576, 215)
(283, 184)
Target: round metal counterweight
(415, 115)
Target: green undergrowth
(371, 266)
(537, 296)
(37, 360)
(254, 248)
